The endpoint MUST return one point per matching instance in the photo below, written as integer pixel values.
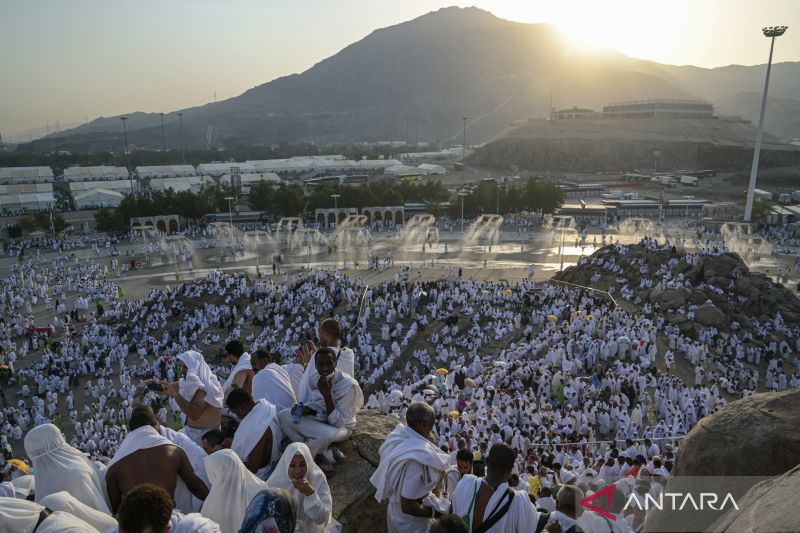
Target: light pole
(180, 122)
(771, 32)
(563, 231)
(163, 136)
(462, 194)
(127, 152)
(230, 221)
(464, 151)
(336, 206)
(406, 133)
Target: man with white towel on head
(197, 394)
(242, 372)
(257, 440)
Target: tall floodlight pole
(230, 210)
(464, 151)
(127, 152)
(771, 32)
(563, 231)
(336, 206)
(163, 136)
(462, 194)
(406, 133)
(180, 121)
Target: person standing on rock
(409, 471)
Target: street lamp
(127, 152)
(163, 136)
(230, 210)
(336, 206)
(771, 32)
(563, 231)
(180, 121)
(462, 194)
(464, 151)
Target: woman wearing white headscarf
(198, 394)
(232, 488)
(60, 467)
(297, 473)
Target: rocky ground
(762, 297)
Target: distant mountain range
(424, 75)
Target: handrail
(606, 293)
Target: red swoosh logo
(602, 512)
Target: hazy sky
(69, 60)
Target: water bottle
(298, 413)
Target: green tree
(14, 231)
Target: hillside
(432, 70)
(625, 145)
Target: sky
(69, 61)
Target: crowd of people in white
(516, 399)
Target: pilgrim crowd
(513, 401)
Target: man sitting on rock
(257, 440)
(327, 412)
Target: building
(28, 196)
(121, 186)
(97, 198)
(592, 214)
(574, 114)
(653, 208)
(574, 191)
(166, 171)
(660, 109)
(95, 173)
(188, 183)
(18, 175)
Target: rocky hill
(760, 298)
(432, 70)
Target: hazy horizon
(68, 62)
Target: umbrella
(429, 391)
(589, 317)
(454, 413)
(624, 340)
(577, 313)
(3, 367)
(20, 465)
(508, 292)
(441, 371)
(469, 383)
(552, 318)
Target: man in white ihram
(409, 470)
(328, 410)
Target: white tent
(97, 198)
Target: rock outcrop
(354, 504)
(754, 294)
(756, 436)
(769, 506)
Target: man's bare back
(161, 465)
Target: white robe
(273, 384)
(242, 364)
(60, 467)
(521, 516)
(252, 428)
(232, 488)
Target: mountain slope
(427, 73)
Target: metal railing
(605, 294)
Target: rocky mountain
(428, 73)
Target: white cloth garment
(347, 399)
(252, 428)
(232, 488)
(272, 383)
(520, 516)
(242, 364)
(58, 466)
(409, 466)
(345, 362)
(313, 512)
(21, 516)
(64, 501)
(196, 455)
(199, 376)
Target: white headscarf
(316, 478)
(199, 376)
(58, 466)
(232, 488)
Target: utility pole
(163, 136)
(183, 153)
(127, 152)
(464, 153)
(406, 133)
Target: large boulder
(710, 315)
(769, 506)
(722, 266)
(354, 504)
(670, 298)
(754, 436)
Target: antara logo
(671, 501)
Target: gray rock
(710, 315)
